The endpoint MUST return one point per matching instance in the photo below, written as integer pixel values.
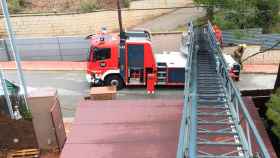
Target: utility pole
(122, 33)
(6, 93)
(14, 49)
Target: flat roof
(125, 129)
(134, 128)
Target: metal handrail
(237, 104)
(188, 49)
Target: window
(101, 53)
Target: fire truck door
(135, 61)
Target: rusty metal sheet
(119, 129)
(58, 124)
(260, 126)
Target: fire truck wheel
(114, 80)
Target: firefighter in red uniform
(218, 34)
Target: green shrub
(16, 6)
(225, 23)
(25, 113)
(273, 112)
(87, 6)
(126, 3)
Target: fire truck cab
(132, 62)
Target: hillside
(35, 6)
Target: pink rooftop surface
(120, 129)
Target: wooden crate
(26, 153)
(103, 93)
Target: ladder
(215, 121)
(217, 135)
(162, 73)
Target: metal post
(6, 93)
(59, 49)
(277, 82)
(14, 49)
(249, 138)
(193, 126)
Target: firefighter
(218, 34)
(238, 53)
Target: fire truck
(128, 59)
(131, 61)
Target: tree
(273, 112)
(237, 7)
(267, 13)
(210, 5)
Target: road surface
(173, 20)
(72, 86)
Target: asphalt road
(72, 87)
(171, 21)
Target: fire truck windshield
(101, 54)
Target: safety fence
(52, 48)
(251, 37)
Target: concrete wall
(269, 57)
(75, 24)
(84, 24)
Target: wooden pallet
(26, 153)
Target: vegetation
(126, 3)
(267, 14)
(87, 6)
(16, 6)
(240, 14)
(273, 112)
(25, 113)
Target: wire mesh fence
(251, 37)
(51, 48)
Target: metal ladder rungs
(212, 95)
(202, 101)
(212, 107)
(215, 156)
(214, 123)
(219, 143)
(211, 90)
(217, 133)
(213, 114)
(209, 82)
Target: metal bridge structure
(215, 121)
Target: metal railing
(238, 109)
(188, 49)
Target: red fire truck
(130, 61)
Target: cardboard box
(103, 93)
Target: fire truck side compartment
(176, 75)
